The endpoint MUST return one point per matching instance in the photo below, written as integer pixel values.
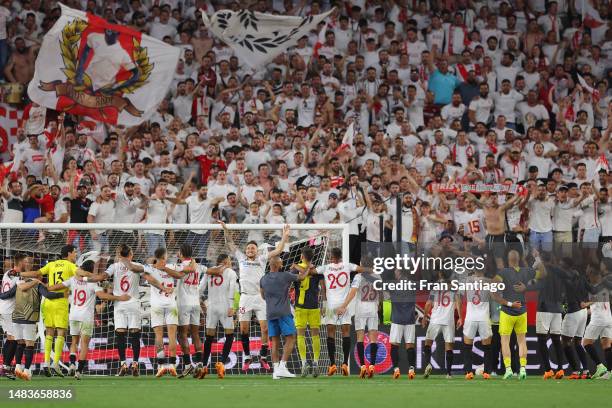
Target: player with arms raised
(337, 276)
(9, 280)
(252, 268)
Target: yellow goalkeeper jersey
(57, 272)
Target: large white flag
(90, 67)
(257, 38)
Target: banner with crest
(110, 73)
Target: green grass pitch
(262, 391)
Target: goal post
(43, 242)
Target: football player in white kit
(439, 313)
(600, 325)
(82, 309)
(337, 276)
(477, 321)
(164, 309)
(9, 279)
(251, 268)
(188, 301)
(366, 315)
(126, 314)
(220, 311)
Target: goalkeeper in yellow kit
(308, 312)
(55, 311)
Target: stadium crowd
(444, 96)
(440, 93)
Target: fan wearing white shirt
(480, 108)
(251, 269)
(540, 218)
(454, 110)
(544, 164)
(506, 101)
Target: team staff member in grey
(274, 288)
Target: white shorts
(574, 324)
(6, 322)
(362, 322)
(164, 316)
(250, 304)
(483, 328)
(402, 331)
(594, 332)
(547, 322)
(189, 315)
(78, 328)
(215, 317)
(331, 318)
(127, 318)
(25, 331)
(448, 331)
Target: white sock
(275, 365)
(283, 364)
(304, 362)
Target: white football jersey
(251, 272)
(8, 281)
(125, 282)
(82, 299)
(159, 298)
(221, 289)
(600, 310)
(443, 311)
(473, 224)
(337, 279)
(477, 302)
(187, 288)
(367, 296)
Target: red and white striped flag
(347, 140)
(111, 73)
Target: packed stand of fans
(441, 93)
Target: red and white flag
(594, 92)
(347, 140)
(590, 16)
(89, 67)
(320, 41)
(601, 164)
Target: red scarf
(492, 147)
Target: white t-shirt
(367, 296)
(473, 223)
(157, 213)
(221, 290)
(505, 104)
(482, 108)
(337, 279)
(103, 212)
(125, 282)
(159, 298)
(82, 299)
(540, 215)
(188, 288)
(443, 311)
(34, 160)
(8, 305)
(477, 302)
(251, 272)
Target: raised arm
(281, 245)
(228, 237)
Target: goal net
(43, 243)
